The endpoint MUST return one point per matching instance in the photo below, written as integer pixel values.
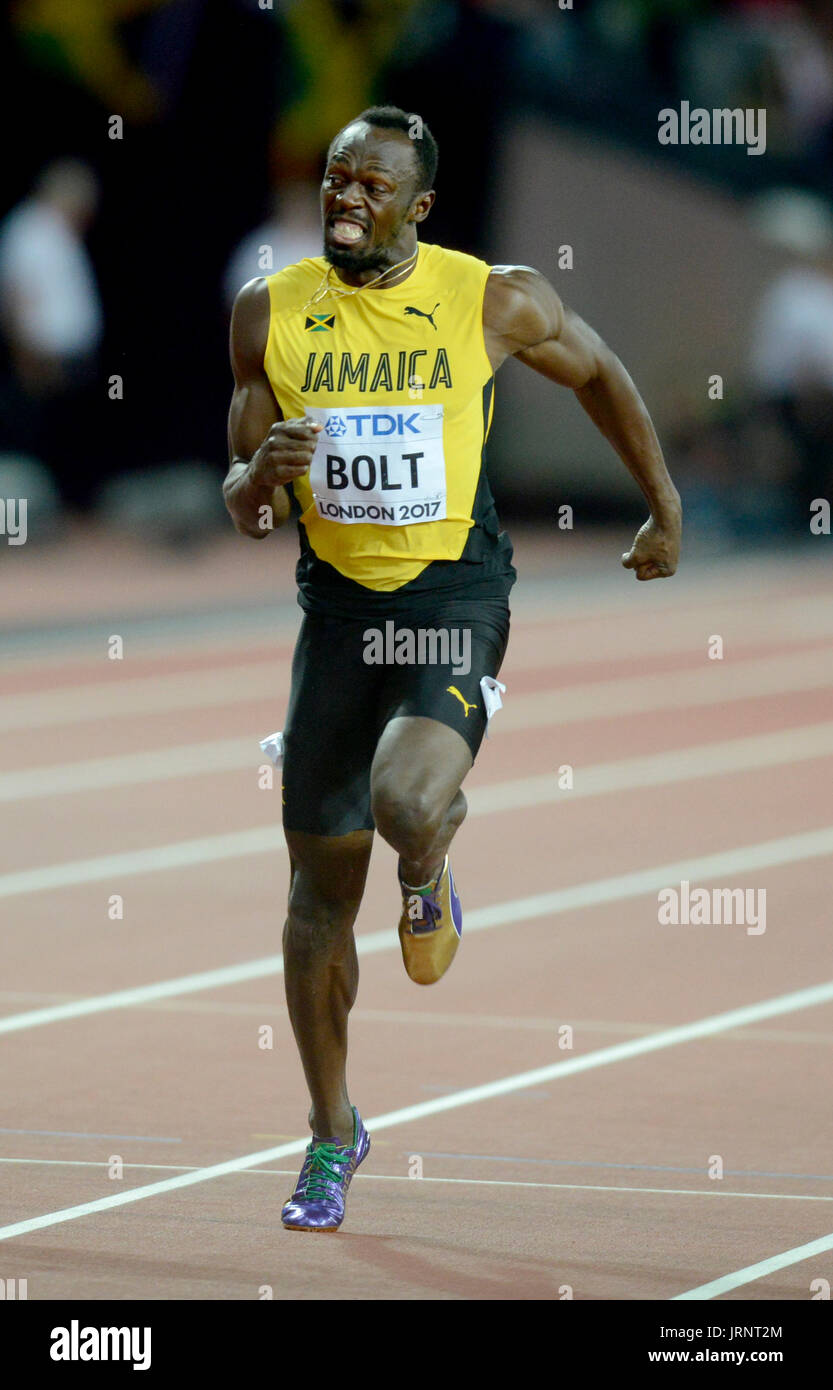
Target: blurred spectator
(793, 337)
(804, 59)
(751, 474)
(791, 362)
(51, 315)
(292, 233)
(772, 53)
(48, 296)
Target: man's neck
(401, 267)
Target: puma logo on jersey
(422, 314)
(452, 690)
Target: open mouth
(345, 232)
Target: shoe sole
(314, 1230)
(426, 960)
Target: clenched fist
(656, 549)
(285, 453)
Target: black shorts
(347, 683)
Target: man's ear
(421, 206)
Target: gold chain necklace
(325, 289)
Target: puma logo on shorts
(452, 690)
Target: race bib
(380, 464)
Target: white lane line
(85, 649)
(245, 682)
(659, 769)
(463, 1182)
(142, 994)
(130, 769)
(768, 854)
(129, 863)
(507, 1085)
(793, 745)
(756, 1271)
(653, 770)
(713, 683)
(612, 699)
(414, 1018)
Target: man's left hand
(656, 549)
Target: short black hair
(416, 129)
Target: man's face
(368, 191)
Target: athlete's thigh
(434, 709)
(331, 730)
(419, 761)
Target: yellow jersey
(401, 382)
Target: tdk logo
(373, 425)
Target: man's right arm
(266, 452)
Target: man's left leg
(434, 718)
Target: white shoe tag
(491, 690)
(273, 747)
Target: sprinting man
(362, 402)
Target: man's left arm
(523, 317)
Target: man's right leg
(328, 744)
(321, 968)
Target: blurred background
(161, 152)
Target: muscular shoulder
(250, 323)
(520, 307)
(445, 260)
(292, 287)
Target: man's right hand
(285, 454)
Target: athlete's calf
(321, 969)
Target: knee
(409, 820)
(319, 927)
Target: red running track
(595, 1170)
